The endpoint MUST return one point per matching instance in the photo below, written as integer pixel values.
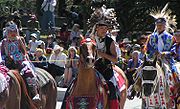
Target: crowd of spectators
(58, 52)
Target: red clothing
(64, 36)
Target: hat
(34, 35)
(57, 47)
(136, 46)
(128, 46)
(72, 47)
(126, 40)
(50, 36)
(101, 23)
(39, 50)
(160, 20)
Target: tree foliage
(133, 15)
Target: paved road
(130, 104)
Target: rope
(57, 60)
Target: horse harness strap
(157, 99)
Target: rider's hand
(163, 54)
(100, 53)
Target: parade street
(130, 104)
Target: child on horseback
(13, 52)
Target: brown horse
(19, 98)
(88, 91)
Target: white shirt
(33, 45)
(48, 5)
(59, 60)
(160, 42)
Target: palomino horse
(89, 89)
(150, 80)
(47, 91)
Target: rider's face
(160, 27)
(12, 33)
(101, 30)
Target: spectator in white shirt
(48, 19)
(33, 43)
(57, 61)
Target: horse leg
(51, 89)
(14, 101)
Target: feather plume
(167, 15)
(108, 15)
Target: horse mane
(26, 102)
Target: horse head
(149, 77)
(87, 52)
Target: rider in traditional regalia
(13, 53)
(160, 42)
(100, 22)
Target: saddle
(42, 77)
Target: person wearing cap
(57, 61)
(107, 54)
(71, 68)
(136, 47)
(33, 43)
(13, 52)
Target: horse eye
(87, 59)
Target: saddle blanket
(4, 78)
(84, 102)
(3, 83)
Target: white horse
(151, 81)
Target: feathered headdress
(165, 16)
(107, 15)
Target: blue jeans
(48, 17)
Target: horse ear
(155, 60)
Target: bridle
(86, 55)
(147, 80)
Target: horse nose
(90, 59)
(147, 89)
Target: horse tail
(26, 102)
